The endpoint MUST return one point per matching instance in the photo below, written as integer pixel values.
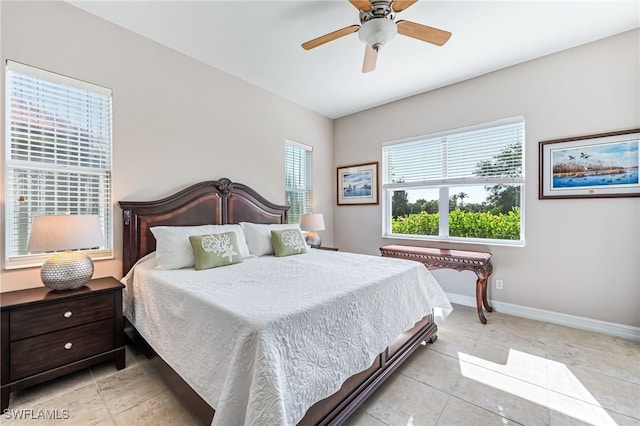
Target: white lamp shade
(64, 232)
(312, 222)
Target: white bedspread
(263, 340)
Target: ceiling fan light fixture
(377, 32)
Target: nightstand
(327, 248)
(46, 334)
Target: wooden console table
(477, 262)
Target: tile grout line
(104, 402)
(371, 415)
(47, 397)
(594, 405)
(502, 416)
(444, 407)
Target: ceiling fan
(378, 27)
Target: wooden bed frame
(222, 202)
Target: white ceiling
(259, 41)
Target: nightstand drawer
(40, 353)
(34, 321)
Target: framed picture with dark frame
(593, 166)
(358, 184)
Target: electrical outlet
(499, 285)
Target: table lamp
(312, 222)
(67, 270)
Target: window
(462, 185)
(58, 155)
(298, 172)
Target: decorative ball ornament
(313, 239)
(67, 271)
(312, 222)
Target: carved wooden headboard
(211, 202)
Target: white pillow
(174, 251)
(259, 236)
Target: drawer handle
(68, 314)
(68, 345)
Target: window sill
(36, 261)
(485, 242)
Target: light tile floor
(511, 371)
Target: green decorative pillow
(288, 241)
(215, 250)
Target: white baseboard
(582, 323)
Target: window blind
(298, 160)
(58, 153)
(485, 154)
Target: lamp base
(313, 239)
(67, 271)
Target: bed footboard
(337, 408)
(333, 410)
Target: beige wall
(581, 257)
(176, 121)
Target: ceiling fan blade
(363, 5)
(370, 59)
(330, 37)
(400, 5)
(423, 32)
